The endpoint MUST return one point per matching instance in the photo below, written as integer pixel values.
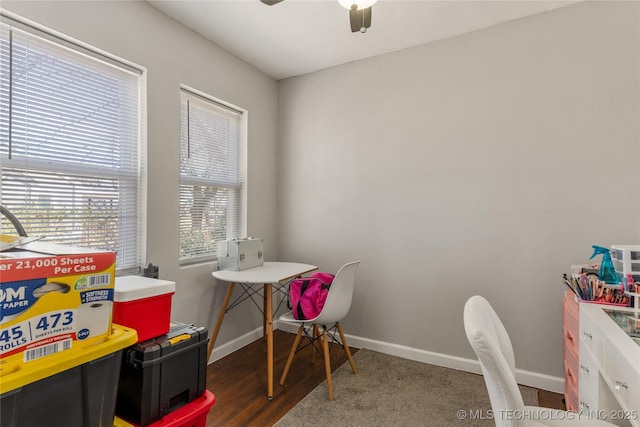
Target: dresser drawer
(591, 339)
(571, 386)
(571, 342)
(624, 378)
(570, 328)
(571, 358)
(588, 404)
(588, 374)
(571, 398)
(570, 304)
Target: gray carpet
(392, 391)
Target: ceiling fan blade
(270, 2)
(360, 19)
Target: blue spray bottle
(607, 272)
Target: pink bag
(308, 295)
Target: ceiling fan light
(360, 4)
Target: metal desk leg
(269, 314)
(225, 304)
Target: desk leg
(225, 304)
(269, 314)
(264, 312)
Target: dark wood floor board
(239, 382)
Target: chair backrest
(340, 295)
(490, 341)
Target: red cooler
(144, 304)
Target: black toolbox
(162, 374)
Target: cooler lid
(131, 288)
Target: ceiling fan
(359, 12)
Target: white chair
(490, 341)
(335, 309)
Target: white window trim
(20, 22)
(242, 170)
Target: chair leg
(316, 334)
(292, 353)
(346, 349)
(327, 362)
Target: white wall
(174, 55)
(482, 164)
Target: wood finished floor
(239, 383)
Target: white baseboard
(528, 378)
(226, 349)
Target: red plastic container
(143, 304)
(192, 415)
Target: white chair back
(340, 295)
(490, 341)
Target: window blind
(211, 175)
(70, 145)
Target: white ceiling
(301, 36)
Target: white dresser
(609, 365)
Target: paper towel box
(52, 298)
(240, 254)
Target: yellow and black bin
(74, 387)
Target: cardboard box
(53, 297)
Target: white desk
(269, 274)
(609, 382)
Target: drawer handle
(621, 385)
(587, 335)
(584, 369)
(569, 337)
(571, 378)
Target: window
(70, 144)
(211, 175)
